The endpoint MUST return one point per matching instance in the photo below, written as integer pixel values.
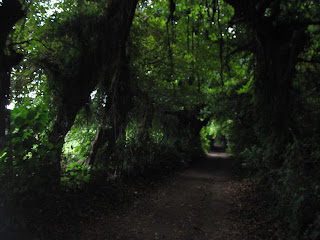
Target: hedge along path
(195, 205)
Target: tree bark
(10, 13)
(276, 45)
(113, 125)
(76, 91)
(4, 80)
(277, 55)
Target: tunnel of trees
(94, 91)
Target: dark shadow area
(188, 178)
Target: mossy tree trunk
(276, 45)
(117, 87)
(101, 65)
(112, 127)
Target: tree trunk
(10, 13)
(3, 102)
(76, 91)
(277, 55)
(276, 43)
(116, 111)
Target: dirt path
(194, 206)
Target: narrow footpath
(196, 205)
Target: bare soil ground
(197, 205)
(205, 202)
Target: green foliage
(30, 178)
(78, 140)
(146, 152)
(287, 157)
(29, 123)
(76, 175)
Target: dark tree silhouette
(10, 12)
